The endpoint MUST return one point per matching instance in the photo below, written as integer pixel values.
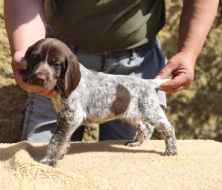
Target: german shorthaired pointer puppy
(87, 97)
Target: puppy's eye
(57, 64)
(35, 58)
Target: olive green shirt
(105, 25)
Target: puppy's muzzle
(37, 79)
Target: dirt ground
(111, 165)
(196, 112)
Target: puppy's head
(51, 64)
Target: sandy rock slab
(111, 165)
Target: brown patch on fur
(122, 100)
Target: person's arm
(196, 20)
(25, 25)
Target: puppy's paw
(170, 152)
(49, 162)
(133, 143)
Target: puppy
(87, 97)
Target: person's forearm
(196, 20)
(25, 23)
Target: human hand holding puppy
(24, 28)
(181, 67)
(19, 64)
(195, 22)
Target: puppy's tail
(155, 83)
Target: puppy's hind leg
(150, 130)
(142, 135)
(157, 118)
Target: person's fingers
(51, 93)
(19, 61)
(46, 93)
(18, 76)
(178, 83)
(166, 71)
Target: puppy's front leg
(59, 141)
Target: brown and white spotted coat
(89, 97)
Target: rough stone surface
(111, 165)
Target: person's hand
(181, 67)
(18, 64)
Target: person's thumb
(166, 71)
(19, 61)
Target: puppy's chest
(57, 102)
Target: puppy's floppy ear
(32, 47)
(27, 71)
(29, 51)
(72, 74)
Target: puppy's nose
(40, 79)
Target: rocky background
(196, 112)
